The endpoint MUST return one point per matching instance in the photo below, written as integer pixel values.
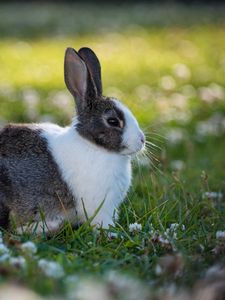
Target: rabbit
(67, 173)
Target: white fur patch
(92, 173)
(133, 137)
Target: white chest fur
(92, 173)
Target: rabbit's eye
(113, 122)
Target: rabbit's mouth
(134, 148)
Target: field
(167, 64)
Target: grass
(169, 69)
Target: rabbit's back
(30, 182)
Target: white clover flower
(4, 257)
(31, 97)
(143, 92)
(213, 126)
(18, 261)
(87, 289)
(72, 280)
(164, 241)
(206, 94)
(29, 247)
(51, 268)
(177, 165)
(158, 270)
(167, 83)
(175, 136)
(201, 247)
(135, 227)
(206, 128)
(212, 93)
(182, 116)
(178, 100)
(172, 230)
(182, 71)
(112, 235)
(3, 249)
(220, 234)
(218, 91)
(12, 290)
(171, 233)
(125, 286)
(152, 230)
(7, 90)
(61, 100)
(174, 226)
(215, 271)
(183, 228)
(212, 195)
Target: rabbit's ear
(76, 77)
(93, 66)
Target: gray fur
(92, 107)
(92, 125)
(30, 182)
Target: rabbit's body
(108, 178)
(30, 180)
(63, 173)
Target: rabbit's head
(102, 120)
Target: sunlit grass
(150, 53)
(130, 61)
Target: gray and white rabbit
(58, 171)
